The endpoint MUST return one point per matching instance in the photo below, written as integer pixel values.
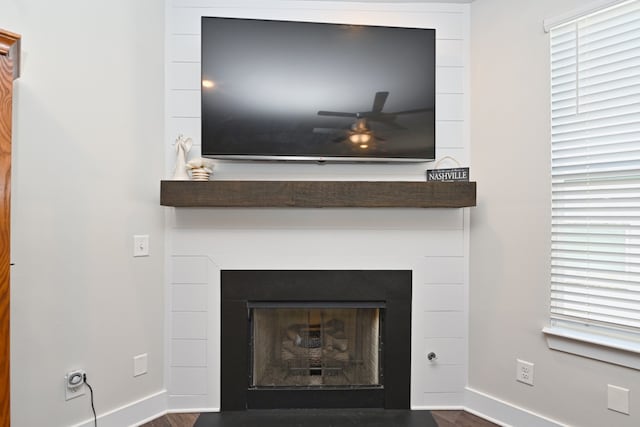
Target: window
(595, 144)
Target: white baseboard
(191, 403)
(134, 413)
(504, 413)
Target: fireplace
(315, 339)
(321, 344)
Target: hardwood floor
(173, 420)
(459, 419)
(443, 418)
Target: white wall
(88, 126)
(510, 242)
(432, 242)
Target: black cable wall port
(95, 418)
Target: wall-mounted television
(284, 90)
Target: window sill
(610, 350)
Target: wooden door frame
(9, 71)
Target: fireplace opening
(324, 345)
(315, 339)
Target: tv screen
(317, 91)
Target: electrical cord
(95, 418)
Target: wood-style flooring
(443, 418)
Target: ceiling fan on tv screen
(359, 132)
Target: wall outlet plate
(618, 399)
(140, 364)
(74, 385)
(524, 372)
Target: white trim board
(610, 350)
(504, 413)
(131, 414)
(585, 9)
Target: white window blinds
(595, 142)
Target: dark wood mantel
(318, 194)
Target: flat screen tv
(283, 90)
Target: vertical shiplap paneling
(189, 270)
(443, 319)
(184, 76)
(189, 353)
(184, 48)
(321, 238)
(189, 298)
(189, 326)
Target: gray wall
(510, 242)
(87, 163)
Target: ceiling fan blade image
(388, 121)
(336, 114)
(417, 110)
(378, 102)
(327, 130)
(340, 139)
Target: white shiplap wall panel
(189, 297)
(188, 381)
(449, 351)
(186, 20)
(429, 242)
(184, 75)
(347, 243)
(441, 297)
(442, 400)
(449, 135)
(184, 103)
(444, 269)
(409, 6)
(189, 270)
(205, 221)
(184, 48)
(189, 126)
(448, 26)
(450, 80)
(447, 379)
(189, 325)
(458, 153)
(188, 353)
(450, 53)
(443, 324)
(449, 106)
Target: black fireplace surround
(390, 289)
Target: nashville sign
(456, 174)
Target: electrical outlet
(140, 364)
(524, 371)
(141, 245)
(74, 384)
(618, 399)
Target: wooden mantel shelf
(318, 194)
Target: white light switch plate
(141, 245)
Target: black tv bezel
(320, 158)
